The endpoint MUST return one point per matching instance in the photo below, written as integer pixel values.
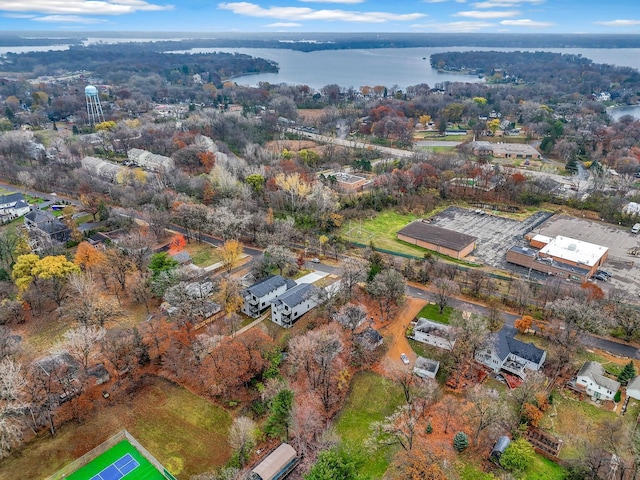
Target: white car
(404, 359)
(315, 260)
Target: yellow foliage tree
(106, 126)
(54, 266)
(23, 270)
(229, 295)
(230, 253)
(425, 119)
(295, 186)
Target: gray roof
(633, 388)
(11, 198)
(182, 257)
(442, 237)
(506, 344)
(269, 284)
(296, 295)
(429, 326)
(39, 216)
(275, 462)
(427, 364)
(595, 371)
(368, 337)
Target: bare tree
(81, 342)
(533, 384)
(354, 271)
(351, 316)
(487, 410)
(12, 406)
(445, 289)
(242, 437)
(397, 429)
(387, 288)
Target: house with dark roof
(592, 380)
(440, 240)
(369, 339)
(505, 352)
(44, 229)
(257, 297)
(12, 206)
(433, 333)
(291, 305)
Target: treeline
(138, 58)
(572, 72)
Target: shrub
(617, 396)
(429, 428)
(460, 441)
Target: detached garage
(448, 242)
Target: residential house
(12, 206)
(291, 305)
(433, 333)
(426, 368)
(505, 352)
(150, 161)
(257, 297)
(633, 388)
(45, 229)
(592, 380)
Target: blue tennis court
(118, 469)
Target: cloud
(18, 15)
(526, 22)
(490, 14)
(303, 13)
(346, 2)
(442, 1)
(619, 23)
(80, 7)
(68, 19)
(455, 26)
(283, 25)
(506, 3)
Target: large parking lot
(496, 235)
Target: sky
(430, 16)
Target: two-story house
(45, 229)
(504, 352)
(12, 206)
(592, 380)
(294, 303)
(257, 297)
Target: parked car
(404, 359)
(605, 273)
(315, 260)
(599, 276)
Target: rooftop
(421, 230)
(296, 295)
(574, 250)
(506, 344)
(596, 372)
(269, 284)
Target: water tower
(94, 109)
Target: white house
(505, 352)
(292, 304)
(633, 388)
(426, 368)
(257, 297)
(592, 380)
(433, 333)
(12, 206)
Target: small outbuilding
(426, 368)
(633, 388)
(498, 449)
(277, 465)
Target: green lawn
(382, 231)
(432, 312)
(371, 398)
(202, 254)
(544, 469)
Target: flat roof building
(441, 240)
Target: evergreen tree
(333, 464)
(627, 373)
(460, 441)
(277, 424)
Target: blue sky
(451, 16)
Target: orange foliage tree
(532, 414)
(523, 324)
(88, 257)
(594, 292)
(177, 244)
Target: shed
(277, 465)
(498, 449)
(633, 388)
(426, 368)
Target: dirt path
(395, 330)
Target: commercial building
(565, 257)
(440, 240)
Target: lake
(385, 66)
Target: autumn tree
(524, 323)
(295, 187)
(230, 253)
(354, 271)
(13, 384)
(88, 257)
(50, 274)
(487, 410)
(532, 385)
(418, 464)
(445, 290)
(279, 257)
(177, 244)
(351, 316)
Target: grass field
(144, 471)
(382, 231)
(371, 398)
(202, 254)
(185, 433)
(432, 312)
